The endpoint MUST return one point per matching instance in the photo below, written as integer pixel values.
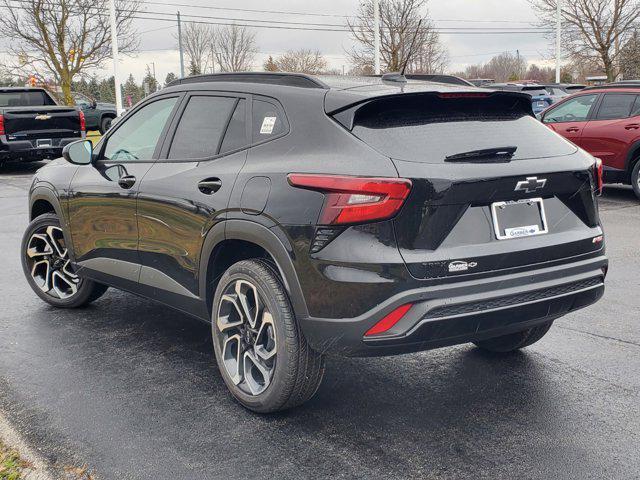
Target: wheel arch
(257, 238)
(44, 199)
(633, 157)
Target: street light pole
(376, 36)
(114, 52)
(180, 47)
(558, 38)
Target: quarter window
(616, 105)
(201, 127)
(268, 121)
(136, 138)
(574, 110)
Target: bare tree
(630, 57)
(198, 42)
(593, 29)
(235, 48)
(63, 38)
(398, 25)
(301, 61)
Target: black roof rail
(270, 78)
(628, 84)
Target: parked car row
(605, 121)
(542, 96)
(34, 127)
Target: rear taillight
(355, 199)
(1, 124)
(598, 175)
(83, 123)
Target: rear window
(535, 91)
(616, 105)
(428, 128)
(25, 99)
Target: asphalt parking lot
(130, 388)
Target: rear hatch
(493, 188)
(51, 122)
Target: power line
(323, 27)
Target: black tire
(635, 178)
(297, 369)
(515, 341)
(87, 290)
(105, 124)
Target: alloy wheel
(247, 337)
(49, 263)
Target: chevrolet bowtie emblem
(43, 116)
(531, 184)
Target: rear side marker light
(350, 200)
(389, 321)
(598, 174)
(1, 124)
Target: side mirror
(94, 104)
(78, 153)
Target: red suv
(605, 121)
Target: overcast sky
(157, 43)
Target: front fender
(278, 247)
(45, 191)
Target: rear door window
(616, 105)
(236, 135)
(201, 127)
(268, 121)
(636, 107)
(574, 110)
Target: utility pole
(114, 52)
(558, 38)
(180, 47)
(376, 36)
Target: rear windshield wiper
(487, 155)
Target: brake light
(598, 173)
(1, 124)
(83, 123)
(464, 95)
(355, 199)
(389, 321)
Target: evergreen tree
(150, 81)
(107, 90)
(132, 92)
(170, 78)
(193, 69)
(270, 65)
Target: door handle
(210, 185)
(573, 129)
(632, 126)
(127, 181)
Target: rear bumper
(29, 148)
(463, 312)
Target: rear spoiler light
(350, 200)
(1, 124)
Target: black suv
(364, 218)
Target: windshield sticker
(267, 125)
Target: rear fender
(277, 246)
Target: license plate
(517, 219)
(44, 143)
(541, 104)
